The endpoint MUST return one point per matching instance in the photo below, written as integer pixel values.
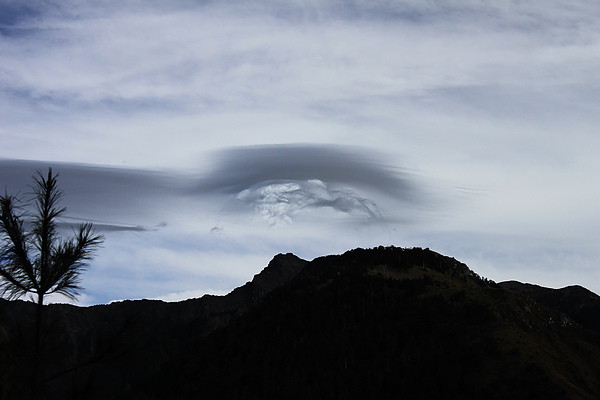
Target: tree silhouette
(33, 258)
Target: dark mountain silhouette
(379, 323)
(578, 303)
(100, 351)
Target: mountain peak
(394, 263)
(280, 270)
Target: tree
(33, 258)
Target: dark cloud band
(241, 168)
(279, 182)
(94, 192)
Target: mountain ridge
(575, 301)
(350, 306)
(346, 316)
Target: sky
(204, 137)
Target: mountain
(580, 304)
(88, 347)
(377, 323)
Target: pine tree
(33, 257)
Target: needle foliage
(34, 258)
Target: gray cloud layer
(278, 182)
(237, 169)
(96, 193)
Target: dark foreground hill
(368, 324)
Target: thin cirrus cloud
(243, 56)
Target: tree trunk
(37, 355)
(38, 324)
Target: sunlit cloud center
(284, 202)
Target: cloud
(244, 64)
(496, 96)
(115, 199)
(105, 226)
(182, 70)
(240, 168)
(284, 200)
(282, 181)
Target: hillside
(580, 304)
(378, 323)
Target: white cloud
(282, 202)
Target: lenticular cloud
(283, 183)
(282, 202)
